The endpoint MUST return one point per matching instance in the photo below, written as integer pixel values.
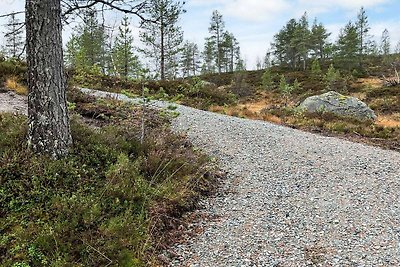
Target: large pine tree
(48, 124)
(49, 129)
(363, 28)
(319, 40)
(347, 45)
(217, 29)
(208, 56)
(162, 35)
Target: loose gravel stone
(291, 198)
(11, 102)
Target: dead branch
(10, 14)
(392, 81)
(124, 6)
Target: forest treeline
(298, 44)
(163, 53)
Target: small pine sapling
(267, 80)
(316, 70)
(331, 77)
(285, 89)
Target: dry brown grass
(360, 95)
(389, 121)
(13, 84)
(372, 82)
(217, 109)
(272, 118)
(255, 107)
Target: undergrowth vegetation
(279, 91)
(109, 203)
(192, 92)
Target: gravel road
(11, 102)
(291, 198)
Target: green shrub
(95, 206)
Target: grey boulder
(338, 104)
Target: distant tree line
(298, 44)
(93, 47)
(99, 47)
(96, 46)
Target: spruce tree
(86, 49)
(267, 79)
(316, 70)
(14, 37)
(125, 61)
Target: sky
(254, 22)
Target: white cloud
(255, 10)
(391, 26)
(317, 7)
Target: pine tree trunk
(162, 48)
(49, 130)
(218, 52)
(194, 63)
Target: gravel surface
(11, 102)
(291, 198)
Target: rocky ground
(11, 102)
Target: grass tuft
(13, 84)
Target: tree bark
(49, 129)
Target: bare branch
(21, 26)
(10, 14)
(124, 6)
